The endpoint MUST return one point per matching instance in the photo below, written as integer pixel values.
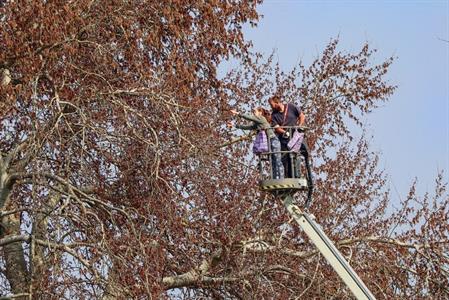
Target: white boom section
(329, 251)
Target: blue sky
(411, 130)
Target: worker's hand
(234, 112)
(286, 135)
(229, 124)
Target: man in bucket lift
(289, 115)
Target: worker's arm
(246, 126)
(252, 118)
(256, 121)
(279, 130)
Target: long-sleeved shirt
(259, 123)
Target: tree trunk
(16, 268)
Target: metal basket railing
(294, 157)
(291, 160)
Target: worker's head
(262, 112)
(275, 102)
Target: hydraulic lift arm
(328, 250)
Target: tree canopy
(118, 179)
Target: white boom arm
(329, 251)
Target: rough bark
(13, 253)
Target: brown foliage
(113, 184)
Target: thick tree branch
(196, 275)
